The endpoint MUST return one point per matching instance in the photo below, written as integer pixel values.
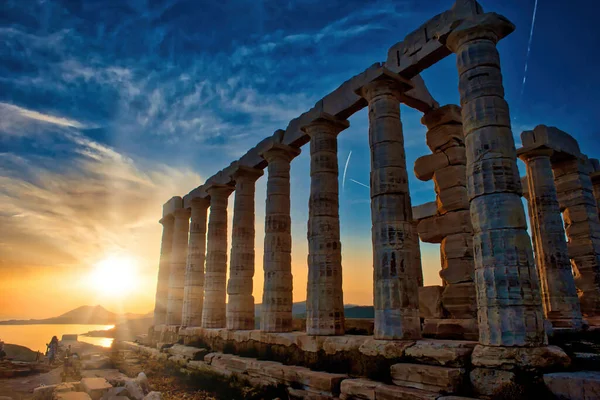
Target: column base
(528, 358)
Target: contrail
(346, 170)
(361, 184)
(528, 51)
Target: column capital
(182, 213)
(325, 122)
(216, 190)
(384, 82)
(248, 174)
(489, 26)
(200, 203)
(448, 114)
(167, 219)
(528, 153)
(282, 151)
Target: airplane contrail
(361, 184)
(528, 51)
(346, 170)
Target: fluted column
(193, 292)
(508, 295)
(416, 253)
(580, 212)
(178, 263)
(395, 285)
(164, 271)
(559, 294)
(240, 307)
(276, 312)
(324, 298)
(215, 277)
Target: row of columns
(509, 303)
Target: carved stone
(240, 307)
(559, 294)
(178, 263)
(325, 301)
(394, 281)
(193, 293)
(508, 295)
(213, 312)
(164, 270)
(276, 312)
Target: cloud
(100, 202)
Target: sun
(115, 275)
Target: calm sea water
(36, 336)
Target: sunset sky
(109, 108)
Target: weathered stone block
(452, 199)
(459, 300)
(425, 210)
(542, 357)
(450, 176)
(426, 166)
(451, 353)
(581, 385)
(456, 329)
(427, 377)
(457, 246)
(490, 382)
(95, 387)
(435, 229)
(79, 396)
(390, 392)
(191, 353)
(457, 270)
(443, 136)
(448, 114)
(321, 381)
(430, 302)
(363, 389)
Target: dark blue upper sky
(188, 84)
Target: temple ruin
(485, 330)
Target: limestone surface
(193, 292)
(427, 377)
(581, 385)
(240, 306)
(559, 294)
(325, 301)
(395, 284)
(509, 302)
(164, 270)
(430, 302)
(213, 311)
(276, 312)
(178, 266)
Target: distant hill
(87, 315)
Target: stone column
(596, 183)
(324, 298)
(213, 312)
(178, 262)
(240, 307)
(395, 286)
(193, 292)
(164, 271)
(580, 212)
(559, 294)
(276, 312)
(416, 253)
(508, 295)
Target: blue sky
(107, 108)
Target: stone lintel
(557, 155)
(552, 137)
(218, 187)
(425, 210)
(422, 48)
(173, 204)
(337, 125)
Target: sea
(36, 336)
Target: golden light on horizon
(114, 275)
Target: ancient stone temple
(506, 298)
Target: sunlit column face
(114, 275)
